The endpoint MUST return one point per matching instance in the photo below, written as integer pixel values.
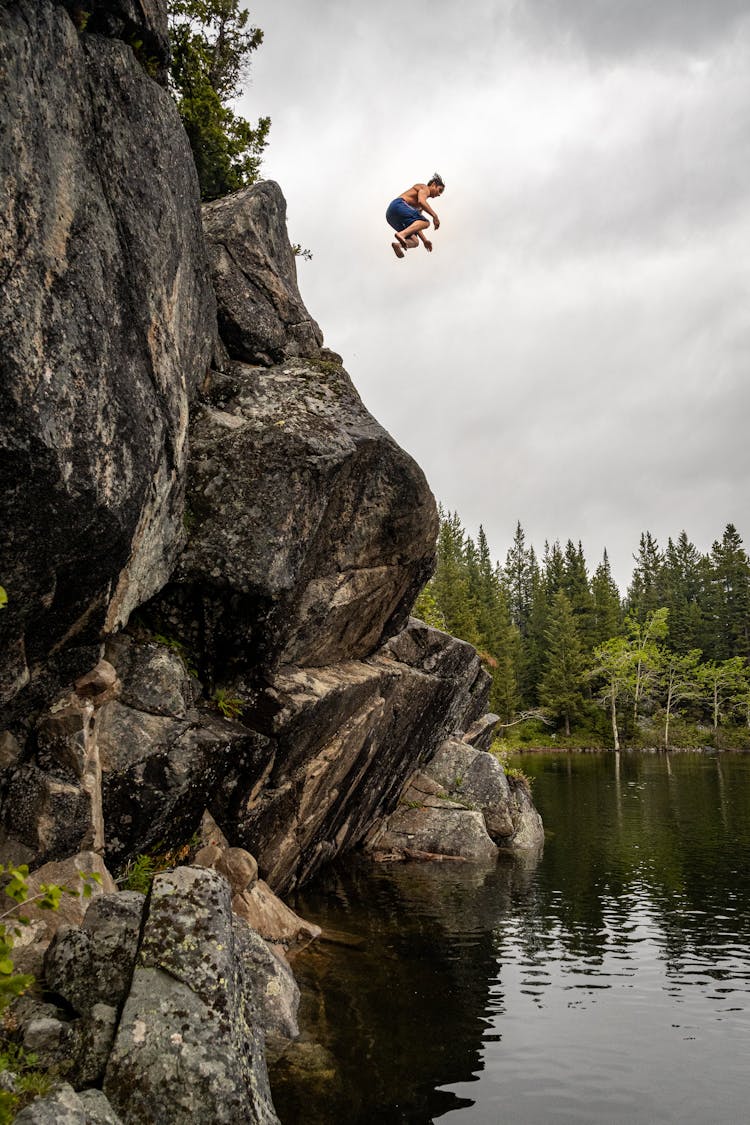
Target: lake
(607, 981)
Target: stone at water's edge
(107, 324)
(63, 1106)
(461, 804)
(476, 778)
(189, 1045)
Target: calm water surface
(607, 981)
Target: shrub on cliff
(211, 48)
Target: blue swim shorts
(400, 215)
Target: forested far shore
(574, 663)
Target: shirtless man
(404, 214)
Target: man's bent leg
(408, 237)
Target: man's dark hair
(436, 179)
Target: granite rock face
(92, 964)
(261, 315)
(311, 530)
(345, 738)
(106, 326)
(163, 759)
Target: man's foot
(402, 242)
(397, 250)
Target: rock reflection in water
(416, 967)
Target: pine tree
(560, 688)
(730, 596)
(450, 584)
(607, 607)
(211, 46)
(576, 586)
(643, 592)
(519, 578)
(680, 591)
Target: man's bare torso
(411, 195)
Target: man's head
(436, 182)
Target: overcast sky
(574, 353)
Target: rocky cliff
(210, 547)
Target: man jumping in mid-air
(404, 214)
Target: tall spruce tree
(607, 606)
(560, 688)
(450, 584)
(643, 592)
(578, 590)
(680, 586)
(730, 596)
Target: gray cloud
(619, 27)
(575, 351)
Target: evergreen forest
(574, 663)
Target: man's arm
(424, 203)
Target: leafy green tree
(721, 683)
(211, 48)
(560, 689)
(677, 677)
(643, 638)
(612, 664)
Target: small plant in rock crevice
(501, 751)
(231, 706)
(138, 874)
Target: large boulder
(430, 832)
(477, 779)
(345, 739)
(93, 963)
(189, 1045)
(311, 531)
(107, 324)
(457, 805)
(261, 315)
